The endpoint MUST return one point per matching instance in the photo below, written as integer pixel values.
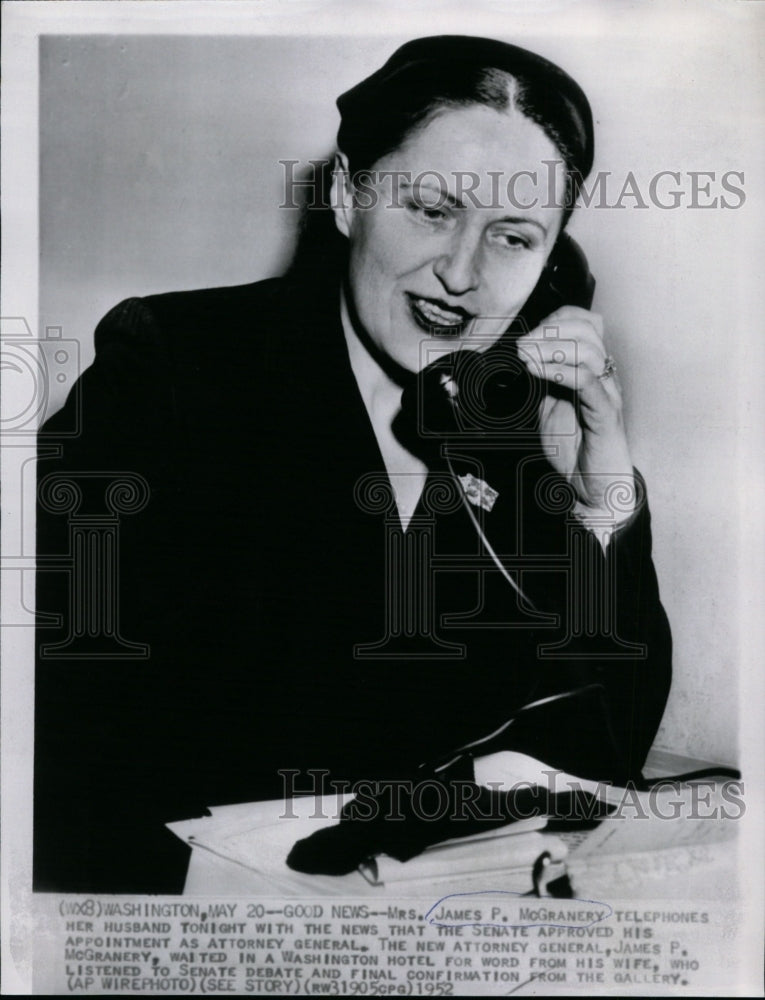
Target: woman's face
(449, 261)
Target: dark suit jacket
(257, 566)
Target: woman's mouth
(436, 317)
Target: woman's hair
(428, 75)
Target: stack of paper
(251, 842)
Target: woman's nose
(457, 267)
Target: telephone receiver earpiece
(565, 281)
(485, 393)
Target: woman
(343, 568)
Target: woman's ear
(342, 194)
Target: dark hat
(437, 66)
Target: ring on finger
(609, 368)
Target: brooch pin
(478, 492)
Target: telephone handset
(475, 393)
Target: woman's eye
(427, 213)
(513, 241)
